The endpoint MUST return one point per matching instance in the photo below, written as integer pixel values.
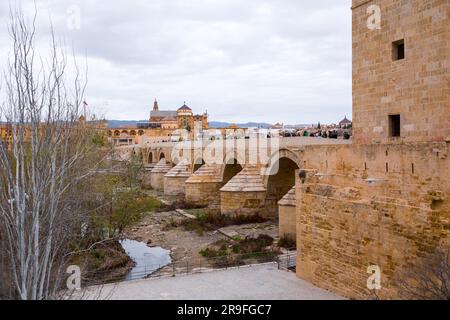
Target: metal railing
(285, 261)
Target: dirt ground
(185, 245)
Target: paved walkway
(263, 282)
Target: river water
(147, 259)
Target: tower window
(398, 50)
(394, 125)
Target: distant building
(161, 126)
(183, 118)
(277, 126)
(345, 123)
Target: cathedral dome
(184, 107)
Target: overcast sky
(241, 60)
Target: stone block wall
(354, 211)
(174, 186)
(287, 208)
(203, 186)
(157, 180)
(243, 203)
(245, 193)
(157, 174)
(203, 193)
(146, 182)
(287, 222)
(175, 179)
(417, 87)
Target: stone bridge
(237, 176)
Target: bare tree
(42, 165)
(428, 279)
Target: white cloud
(275, 61)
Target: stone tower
(401, 78)
(155, 106)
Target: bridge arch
(230, 169)
(272, 165)
(232, 164)
(279, 177)
(150, 157)
(198, 163)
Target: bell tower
(155, 106)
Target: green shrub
(253, 245)
(287, 243)
(214, 253)
(209, 220)
(237, 251)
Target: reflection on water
(147, 259)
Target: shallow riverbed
(147, 259)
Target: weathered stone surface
(185, 214)
(203, 186)
(174, 180)
(146, 176)
(287, 216)
(245, 193)
(417, 87)
(288, 199)
(248, 180)
(391, 215)
(182, 169)
(157, 174)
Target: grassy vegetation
(182, 204)
(209, 220)
(240, 251)
(287, 243)
(106, 260)
(218, 249)
(252, 245)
